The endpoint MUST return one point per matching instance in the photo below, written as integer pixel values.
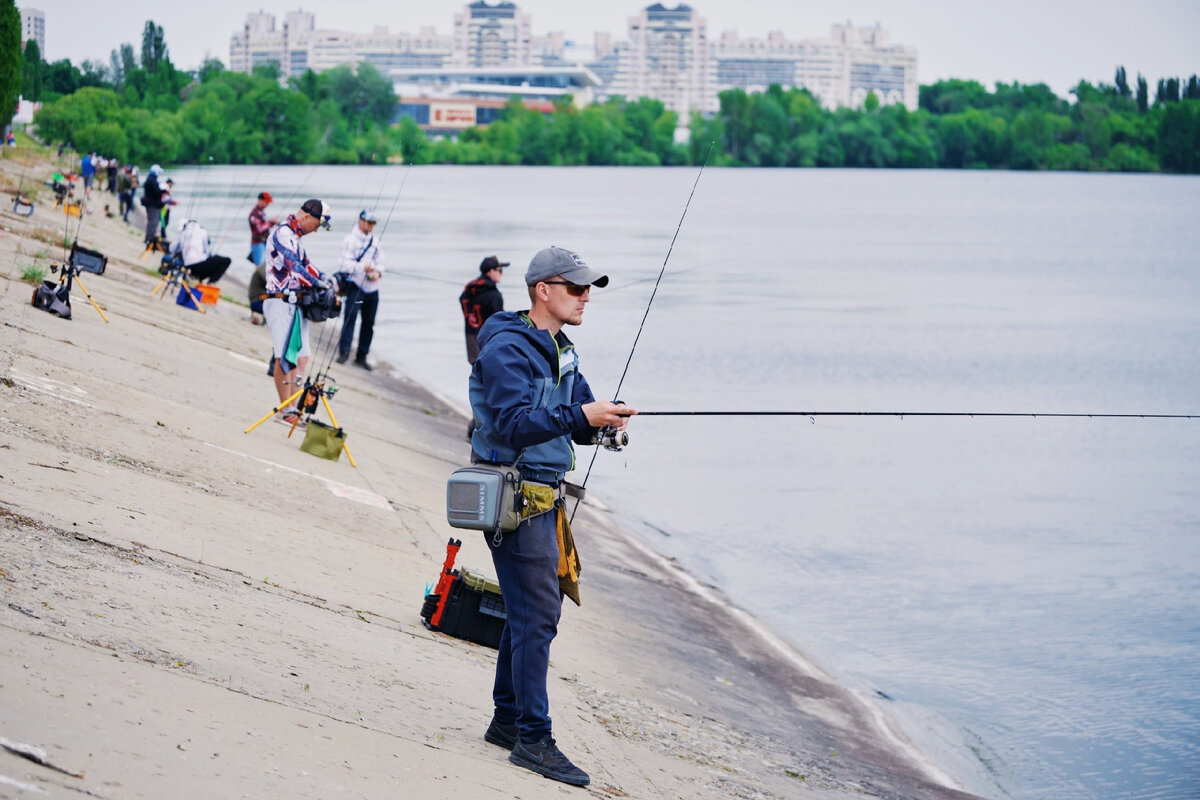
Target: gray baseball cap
(552, 261)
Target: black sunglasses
(573, 289)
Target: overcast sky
(1057, 42)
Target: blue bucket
(188, 300)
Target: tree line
(140, 108)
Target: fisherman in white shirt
(361, 264)
(192, 247)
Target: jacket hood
(517, 322)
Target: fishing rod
(638, 336)
(902, 414)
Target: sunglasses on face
(573, 289)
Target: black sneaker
(362, 362)
(343, 358)
(501, 735)
(545, 758)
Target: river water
(1022, 595)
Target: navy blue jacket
(526, 392)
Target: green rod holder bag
(323, 441)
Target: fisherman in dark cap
(531, 402)
(289, 274)
(480, 299)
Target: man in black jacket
(480, 299)
(152, 201)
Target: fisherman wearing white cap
(361, 266)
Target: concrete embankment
(191, 610)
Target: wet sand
(189, 609)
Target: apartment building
(33, 26)
(666, 54)
(297, 45)
(840, 70)
(666, 57)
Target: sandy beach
(194, 611)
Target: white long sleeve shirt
(362, 258)
(192, 244)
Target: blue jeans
(258, 253)
(357, 300)
(526, 562)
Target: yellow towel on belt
(568, 557)
(540, 500)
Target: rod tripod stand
(174, 273)
(155, 245)
(310, 393)
(68, 274)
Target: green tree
(952, 96)
(1168, 91)
(736, 116)
(1095, 129)
(59, 78)
(411, 142)
(107, 137)
(1033, 134)
(10, 60)
(63, 119)
(154, 46)
(363, 96)
(1122, 83)
(1179, 137)
(1143, 94)
(211, 68)
(31, 72)
(706, 134)
(269, 70)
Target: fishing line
(653, 294)
(241, 203)
(902, 414)
(296, 191)
(193, 205)
(403, 181)
(382, 184)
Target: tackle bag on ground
(54, 298)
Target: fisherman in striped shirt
(289, 274)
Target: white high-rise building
(666, 58)
(33, 26)
(492, 36)
(299, 45)
(840, 70)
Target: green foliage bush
(345, 115)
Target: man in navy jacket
(530, 403)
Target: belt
(545, 478)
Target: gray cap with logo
(552, 261)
